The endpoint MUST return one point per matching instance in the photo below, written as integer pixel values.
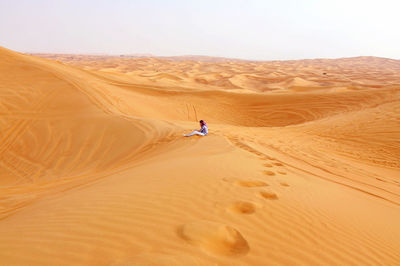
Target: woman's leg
(195, 133)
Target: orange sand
(300, 167)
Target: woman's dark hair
(201, 121)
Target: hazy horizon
(250, 30)
(149, 55)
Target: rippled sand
(301, 166)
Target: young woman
(202, 132)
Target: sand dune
(227, 74)
(301, 165)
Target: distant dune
(301, 166)
(231, 74)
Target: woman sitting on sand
(202, 132)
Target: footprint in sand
(214, 238)
(284, 184)
(278, 164)
(268, 165)
(242, 207)
(282, 172)
(251, 183)
(269, 195)
(270, 173)
(266, 157)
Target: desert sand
(301, 165)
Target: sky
(250, 29)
